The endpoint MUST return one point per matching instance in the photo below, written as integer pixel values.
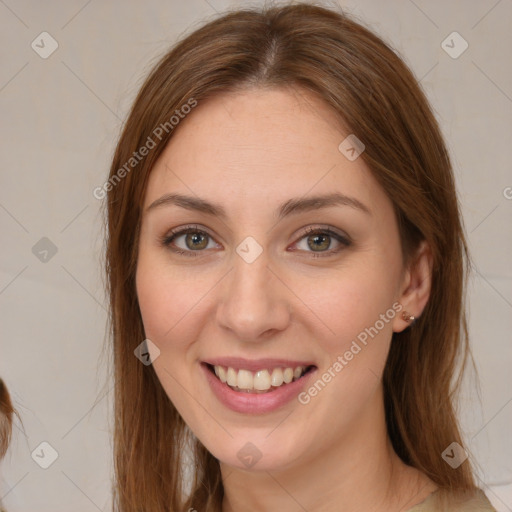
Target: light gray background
(60, 119)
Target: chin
(257, 452)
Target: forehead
(264, 144)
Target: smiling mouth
(261, 381)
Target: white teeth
(245, 379)
(260, 381)
(277, 377)
(222, 373)
(231, 378)
(288, 375)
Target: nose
(253, 303)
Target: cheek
(349, 302)
(175, 304)
(355, 308)
(169, 307)
(165, 299)
(156, 301)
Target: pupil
(318, 242)
(197, 241)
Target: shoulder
(437, 502)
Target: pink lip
(254, 365)
(255, 403)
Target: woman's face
(291, 259)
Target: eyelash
(170, 237)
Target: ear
(416, 286)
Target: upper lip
(239, 363)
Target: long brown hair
(7, 413)
(378, 99)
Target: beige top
(479, 503)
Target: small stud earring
(407, 317)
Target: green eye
(191, 241)
(319, 241)
(194, 240)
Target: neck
(360, 472)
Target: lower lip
(255, 403)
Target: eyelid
(340, 236)
(174, 233)
(324, 228)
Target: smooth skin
(303, 298)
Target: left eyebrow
(304, 204)
(290, 207)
